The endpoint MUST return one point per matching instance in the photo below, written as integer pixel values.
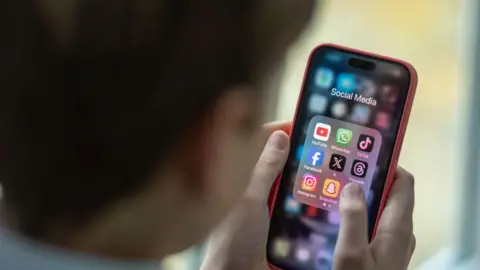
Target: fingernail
(352, 191)
(279, 140)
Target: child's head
(137, 117)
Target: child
(129, 129)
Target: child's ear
(234, 116)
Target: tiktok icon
(365, 143)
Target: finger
(269, 128)
(352, 239)
(395, 229)
(262, 266)
(269, 165)
(413, 245)
(398, 213)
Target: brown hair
(93, 94)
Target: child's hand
(394, 243)
(239, 242)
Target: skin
(217, 181)
(207, 173)
(239, 242)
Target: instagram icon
(309, 182)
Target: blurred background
(427, 34)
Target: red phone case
(398, 143)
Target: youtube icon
(321, 132)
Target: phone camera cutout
(361, 64)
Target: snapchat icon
(331, 188)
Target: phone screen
(345, 131)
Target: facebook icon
(315, 157)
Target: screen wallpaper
(344, 132)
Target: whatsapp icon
(344, 137)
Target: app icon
(322, 132)
(302, 254)
(346, 82)
(299, 153)
(324, 259)
(339, 109)
(281, 247)
(397, 72)
(315, 157)
(359, 168)
(324, 78)
(312, 211)
(331, 188)
(317, 104)
(370, 198)
(306, 127)
(292, 179)
(367, 88)
(382, 120)
(337, 162)
(292, 206)
(333, 57)
(334, 217)
(365, 143)
(309, 182)
(361, 114)
(389, 94)
(317, 239)
(344, 137)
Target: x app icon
(337, 163)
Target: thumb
(269, 165)
(353, 236)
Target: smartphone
(349, 125)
